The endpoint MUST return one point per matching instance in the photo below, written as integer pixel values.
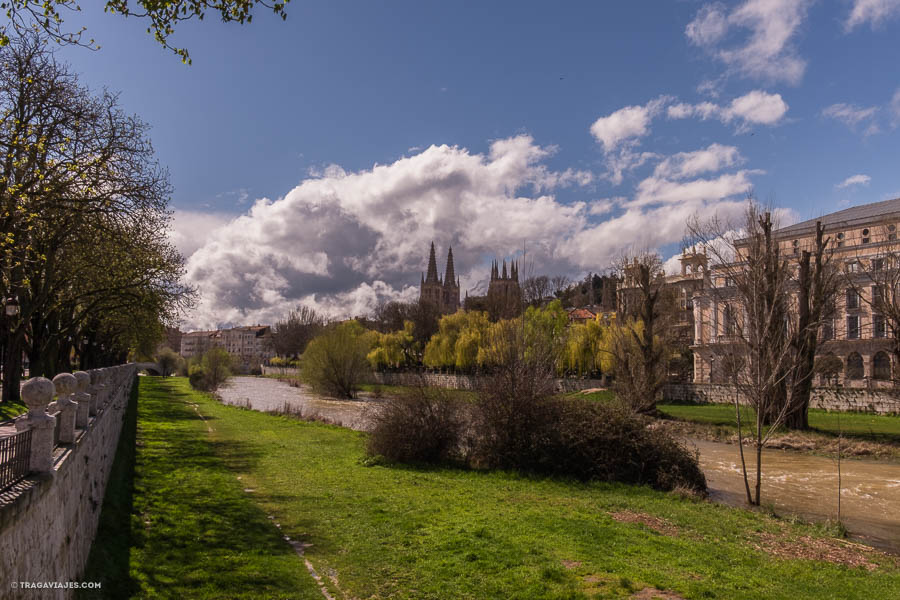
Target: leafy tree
(458, 340)
(394, 349)
(168, 361)
(163, 17)
(335, 362)
(217, 365)
(78, 181)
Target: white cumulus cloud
(755, 39)
(873, 12)
(626, 123)
(854, 180)
(345, 241)
(754, 108)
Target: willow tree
(83, 210)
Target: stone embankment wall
(48, 521)
(877, 401)
(456, 381)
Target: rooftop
(856, 215)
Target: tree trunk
(12, 372)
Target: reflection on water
(808, 486)
(796, 483)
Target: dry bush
(424, 426)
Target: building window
(728, 320)
(878, 264)
(854, 366)
(852, 299)
(853, 267)
(881, 366)
(827, 330)
(877, 295)
(853, 327)
(879, 330)
(865, 239)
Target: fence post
(37, 394)
(65, 384)
(83, 398)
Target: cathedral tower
(444, 294)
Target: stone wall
(48, 521)
(457, 381)
(877, 401)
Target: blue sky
(582, 128)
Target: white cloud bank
(754, 108)
(754, 39)
(343, 242)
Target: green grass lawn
(876, 427)
(388, 531)
(189, 530)
(11, 410)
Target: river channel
(794, 483)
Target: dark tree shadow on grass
(191, 529)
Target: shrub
(168, 361)
(335, 362)
(197, 377)
(424, 425)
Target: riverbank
(376, 530)
(857, 435)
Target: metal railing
(15, 451)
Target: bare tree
(291, 336)
(536, 289)
(559, 284)
(758, 337)
(817, 286)
(640, 339)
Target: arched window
(829, 367)
(881, 366)
(854, 366)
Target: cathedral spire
(432, 276)
(504, 270)
(449, 273)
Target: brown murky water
(269, 395)
(795, 483)
(807, 486)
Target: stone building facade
(857, 339)
(248, 344)
(441, 293)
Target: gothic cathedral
(444, 294)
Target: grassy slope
(443, 533)
(192, 531)
(877, 427)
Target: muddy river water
(795, 483)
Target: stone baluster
(37, 394)
(92, 390)
(66, 384)
(83, 397)
(100, 387)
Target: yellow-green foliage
(466, 340)
(394, 349)
(458, 340)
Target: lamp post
(10, 311)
